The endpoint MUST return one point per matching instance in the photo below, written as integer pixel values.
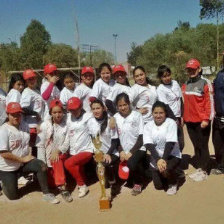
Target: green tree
(34, 44)
(136, 52)
(211, 9)
(62, 55)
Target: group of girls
(140, 128)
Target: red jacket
(198, 100)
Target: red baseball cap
(74, 103)
(49, 68)
(13, 108)
(193, 63)
(55, 102)
(118, 68)
(123, 171)
(29, 73)
(87, 69)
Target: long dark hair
(143, 70)
(122, 96)
(102, 65)
(105, 116)
(163, 69)
(14, 78)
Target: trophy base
(104, 204)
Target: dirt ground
(194, 203)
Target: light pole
(115, 47)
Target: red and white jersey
(13, 96)
(144, 96)
(79, 137)
(94, 129)
(160, 135)
(50, 137)
(171, 95)
(83, 93)
(65, 95)
(55, 94)
(101, 90)
(3, 114)
(32, 100)
(116, 90)
(129, 128)
(15, 141)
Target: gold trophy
(104, 201)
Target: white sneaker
(50, 198)
(196, 173)
(22, 181)
(172, 189)
(202, 176)
(83, 191)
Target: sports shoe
(201, 176)
(137, 189)
(83, 191)
(50, 198)
(22, 181)
(196, 173)
(217, 171)
(66, 196)
(172, 189)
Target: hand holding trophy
(104, 201)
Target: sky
(132, 20)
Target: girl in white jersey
(69, 88)
(102, 86)
(32, 104)
(143, 94)
(130, 131)
(16, 87)
(169, 92)
(84, 89)
(160, 138)
(81, 146)
(121, 86)
(99, 124)
(2, 106)
(48, 89)
(16, 158)
(52, 143)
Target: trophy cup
(104, 201)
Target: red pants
(75, 166)
(56, 174)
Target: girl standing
(160, 138)
(169, 92)
(49, 90)
(143, 94)
(69, 88)
(16, 87)
(81, 147)
(52, 144)
(15, 156)
(130, 133)
(84, 89)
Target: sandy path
(194, 203)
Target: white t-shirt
(13, 96)
(32, 100)
(144, 96)
(83, 93)
(129, 128)
(79, 137)
(55, 94)
(65, 95)
(3, 114)
(171, 95)
(15, 141)
(159, 135)
(106, 137)
(101, 89)
(51, 137)
(116, 90)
